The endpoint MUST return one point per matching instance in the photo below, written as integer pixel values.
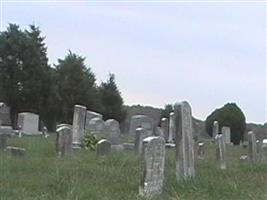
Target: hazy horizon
(206, 53)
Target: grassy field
(40, 175)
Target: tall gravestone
(215, 129)
(140, 134)
(220, 151)
(226, 132)
(185, 161)
(29, 123)
(171, 127)
(152, 165)
(64, 141)
(112, 130)
(252, 146)
(78, 125)
(164, 124)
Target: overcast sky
(206, 53)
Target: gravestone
(112, 130)
(220, 151)
(159, 132)
(15, 151)
(171, 128)
(90, 115)
(60, 125)
(6, 130)
(259, 150)
(215, 129)
(3, 140)
(96, 126)
(139, 136)
(141, 121)
(78, 125)
(45, 132)
(5, 118)
(164, 124)
(64, 141)
(103, 147)
(128, 146)
(185, 161)
(251, 146)
(201, 150)
(152, 165)
(226, 132)
(29, 123)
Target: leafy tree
(75, 85)
(167, 110)
(112, 102)
(229, 115)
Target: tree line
(29, 83)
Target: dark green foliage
(90, 141)
(229, 115)
(112, 102)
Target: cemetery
(151, 166)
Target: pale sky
(206, 53)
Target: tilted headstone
(226, 132)
(141, 121)
(171, 128)
(164, 124)
(220, 151)
(29, 123)
(64, 141)
(215, 129)
(152, 165)
(78, 125)
(15, 151)
(185, 160)
(103, 147)
(96, 126)
(90, 115)
(251, 146)
(139, 136)
(112, 130)
(159, 132)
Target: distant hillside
(258, 129)
(155, 113)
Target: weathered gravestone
(215, 129)
(64, 141)
(152, 165)
(251, 146)
(90, 115)
(139, 136)
(226, 132)
(103, 147)
(201, 150)
(96, 126)
(3, 141)
(185, 160)
(15, 151)
(171, 128)
(78, 125)
(141, 121)
(259, 150)
(164, 124)
(112, 130)
(159, 132)
(5, 118)
(220, 151)
(29, 123)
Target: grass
(40, 175)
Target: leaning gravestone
(251, 146)
(220, 151)
(215, 129)
(64, 141)
(141, 121)
(78, 126)
(152, 165)
(139, 136)
(112, 130)
(171, 128)
(164, 124)
(185, 160)
(103, 147)
(29, 123)
(226, 132)
(90, 115)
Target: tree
(167, 110)
(112, 102)
(229, 115)
(75, 85)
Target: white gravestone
(29, 123)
